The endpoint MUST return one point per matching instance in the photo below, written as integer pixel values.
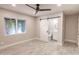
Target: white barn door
(44, 30)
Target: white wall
(5, 40)
(71, 28)
(60, 41)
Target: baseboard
(6, 46)
(69, 41)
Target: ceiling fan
(37, 9)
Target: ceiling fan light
(34, 13)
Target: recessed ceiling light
(58, 4)
(13, 5)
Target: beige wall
(71, 28)
(60, 36)
(78, 32)
(30, 31)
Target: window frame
(17, 27)
(16, 30)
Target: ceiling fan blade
(30, 6)
(44, 9)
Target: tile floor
(37, 47)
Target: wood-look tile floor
(37, 47)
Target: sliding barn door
(44, 30)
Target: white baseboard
(6, 46)
(66, 40)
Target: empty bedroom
(39, 29)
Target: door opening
(49, 29)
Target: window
(21, 26)
(10, 26)
(14, 26)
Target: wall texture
(71, 28)
(30, 28)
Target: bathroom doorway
(53, 29)
(49, 29)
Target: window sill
(16, 34)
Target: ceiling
(68, 9)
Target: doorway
(49, 29)
(53, 29)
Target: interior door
(44, 30)
(53, 28)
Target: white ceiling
(66, 8)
